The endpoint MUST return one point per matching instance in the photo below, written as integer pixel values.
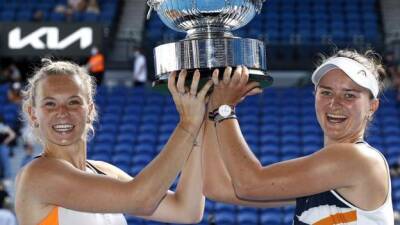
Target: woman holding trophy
(346, 182)
(63, 187)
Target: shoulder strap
(91, 166)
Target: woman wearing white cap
(346, 182)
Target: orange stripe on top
(51, 218)
(338, 218)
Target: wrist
(216, 106)
(191, 132)
(189, 127)
(223, 112)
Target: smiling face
(343, 107)
(61, 109)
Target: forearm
(189, 192)
(217, 184)
(154, 180)
(186, 205)
(242, 165)
(216, 179)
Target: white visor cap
(355, 70)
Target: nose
(334, 101)
(62, 111)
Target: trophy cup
(209, 43)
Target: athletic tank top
(329, 208)
(63, 216)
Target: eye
(325, 93)
(349, 95)
(49, 104)
(75, 102)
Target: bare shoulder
(360, 161)
(358, 155)
(111, 170)
(355, 160)
(39, 169)
(37, 172)
(369, 173)
(373, 162)
(29, 207)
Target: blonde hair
(57, 68)
(370, 59)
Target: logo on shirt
(329, 215)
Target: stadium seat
(222, 207)
(148, 128)
(123, 148)
(291, 149)
(101, 157)
(24, 15)
(105, 138)
(225, 218)
(247, 217)
(269, 159)
(141, 158)
(57, 17)
(90, 17)
(126, 138)
(131, 119)
(128, 128)
(121, 158)
(271, 216)
(144, 148)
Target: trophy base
(161, 84)
(209, 53)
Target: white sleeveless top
(63, 216)
(329, 208)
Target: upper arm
(56, 182)
(169, 210)
(166, 208)
(334, 167)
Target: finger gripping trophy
(209, 42)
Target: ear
(32, 115)
(374, 106)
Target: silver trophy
(209, 42)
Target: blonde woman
(63, 187)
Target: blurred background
(113, 39)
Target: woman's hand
(190, 103)
(232, 89)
